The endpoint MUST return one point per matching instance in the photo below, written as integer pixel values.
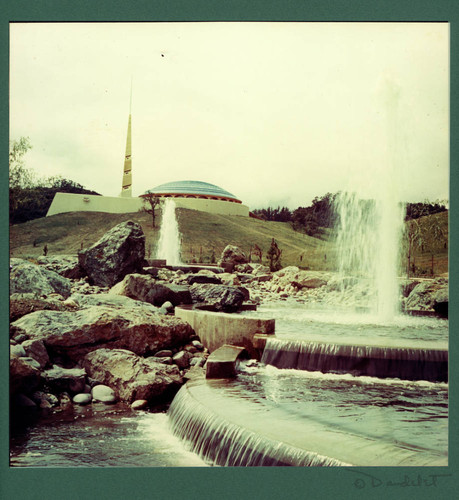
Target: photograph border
(232, 482)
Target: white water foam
(169, 238)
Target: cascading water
(169, 238)
(370, 223)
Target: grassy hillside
(204, 235)
(431, 252)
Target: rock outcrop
(231, 257)
(145, 288)
(31, 278)
(74, 334)
(25, 303)
(220, 297)
(119, 252)
(131, 376)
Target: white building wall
(69, 202)
(212, 206)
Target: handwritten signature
(418, 480)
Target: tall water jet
(169, 237)
(370, 221)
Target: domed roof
(197, 188)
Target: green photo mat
(222, 483)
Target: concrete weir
(229, 431)
(216, 329)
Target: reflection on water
(295, 321)
(414, 413)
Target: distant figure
(325, 256)
(45, 250)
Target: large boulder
(119, 252)
(31, 278)
(24, 374)
(427, 293)
(220, 297)
(145, 288)
(25, 303)
(110, 300)
(231, 257)
(131, 376)
(74, 334)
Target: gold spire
(126, 188)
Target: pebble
(82, 399)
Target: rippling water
(100, 436)
(296, 321)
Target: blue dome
(192, 189)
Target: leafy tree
(150, 203)
(413, 239)
(31, 197)
(274, 254)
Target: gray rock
(145, 288)
(74, 334)
(103, 393)
(119, 252)
(139, 404)
(36, 349)
(168, 306)
(82, 399)
(111, 300)
(198, 345)
(165, 353)
(182, 359)
(24, 374)
(61, 379)
(131, 376)
(425, 294)
(221, 297)
(44, 399)
(31, 278)
(202, 278)
(65, 265)
(18, 351)
(231, 257)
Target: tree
(150, 203)
(274, 254)
(19, 176)
(413, 239)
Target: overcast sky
(275, 113)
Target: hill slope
(202, 234)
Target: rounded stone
(18, 351)
(82, 398)
(139, 404)
(103, 394)
(168, 306)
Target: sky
(275, 113)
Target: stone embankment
(101, 326)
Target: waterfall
(169, 238)
(405, 363)
(223, 443)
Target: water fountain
(336, 387)
(169, 238)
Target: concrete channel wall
(216, 329)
